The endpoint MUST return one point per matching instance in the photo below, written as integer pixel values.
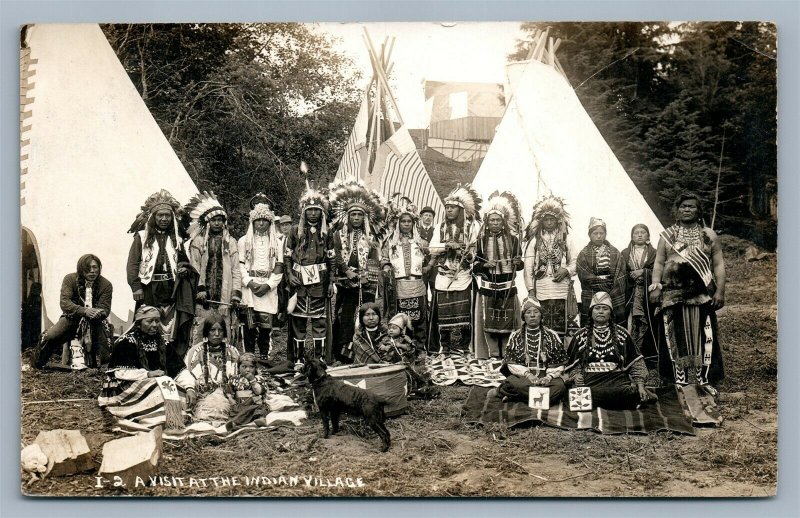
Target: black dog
(334, 397)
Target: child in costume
(246, 392)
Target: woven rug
(464, 369)
(140, 408)
(483, 406)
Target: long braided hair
(215, 318)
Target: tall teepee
(382, 155)
(548, 144)
(91, 153)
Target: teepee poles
(384, 81)
(379, 105)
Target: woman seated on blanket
(603, 357)
(534, 356)
(209, 366)
(138, 354)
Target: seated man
(86, 303)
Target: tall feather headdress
(553, 206)
(155, 202)
(398, 205)
(466, 197)
(314, 198)
(201, 208)
(507, 206)
(349, 195)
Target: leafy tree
(664, 96)
(244, 104)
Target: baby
(397, 346)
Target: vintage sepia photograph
(451, 259)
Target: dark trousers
(62, 332)
(346, 313)
(613, 391)
(257, 336)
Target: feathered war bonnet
(548, 206)
(202, 207)
(155, 202)
(506, 205)
(346, 196)
(466, 197)
(397, 207)
(313, 198)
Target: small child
(246, 392)
(397, 346)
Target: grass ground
(436, 453)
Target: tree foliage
(243, 104)
(664, 95)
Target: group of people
(364, 279)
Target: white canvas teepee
(547, 144)
(91, 154)
(384, 157)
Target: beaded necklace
(224, 362)
(532, 335)
(602, 343)
(692, 236)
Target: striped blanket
(464, 369)
(140, 407)
(483, 406)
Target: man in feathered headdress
(261, 265)
(550, 265)
(156, 262)
(452, 252)
(358, 215)
(404, 256)
(309, 260)
(499, 257)
(214, 253)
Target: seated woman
(209, 366)
(603, 357)
(246, 392)
(86, 303)
(375, 342)
(534, 357)
(139, 354)
(370, 332)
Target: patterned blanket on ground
(141, 407)
(483, 406)
(467, 370)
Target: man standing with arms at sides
(309, 260)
